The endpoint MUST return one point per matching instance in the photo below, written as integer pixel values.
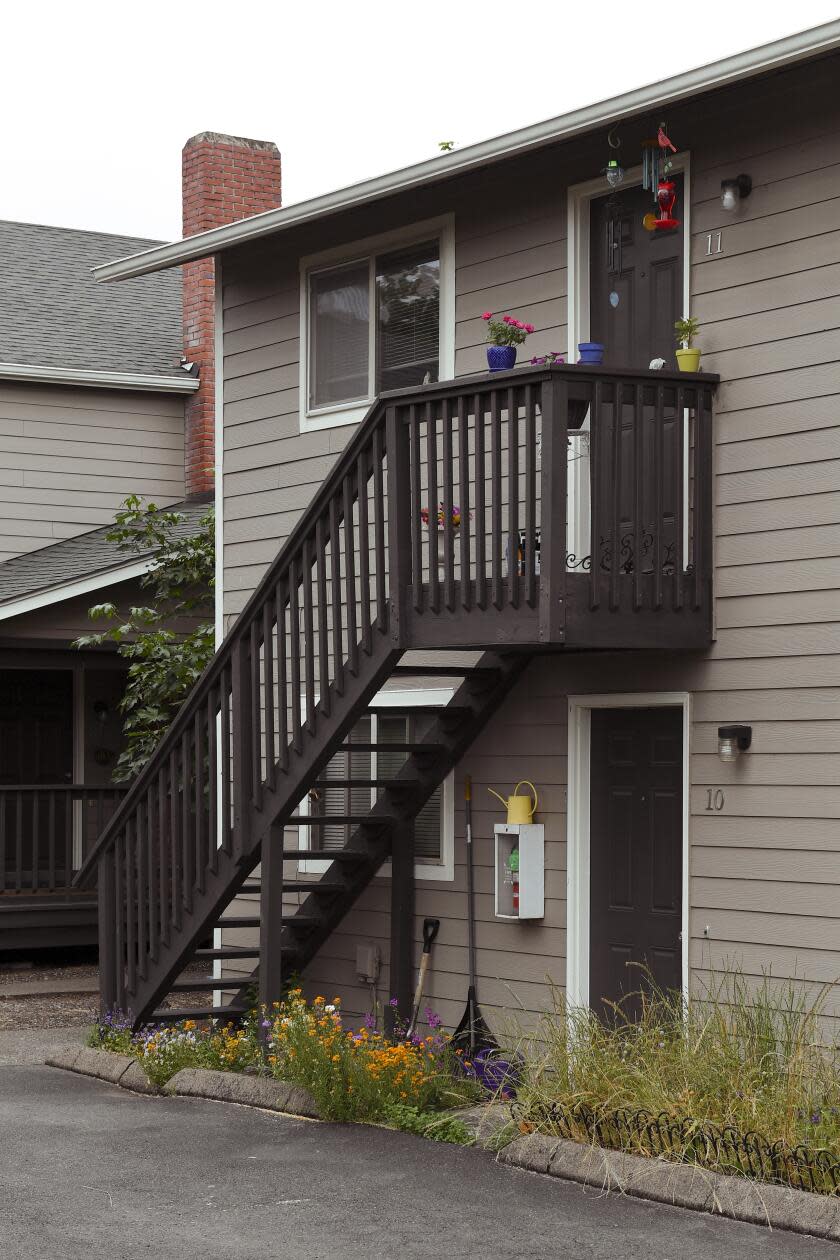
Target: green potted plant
(688, 357)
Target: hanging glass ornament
(666, 197)
(613, 171)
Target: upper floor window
(375, 322)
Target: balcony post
(553, 490)
(108, 960)
(402, 920)
(271, 918)
(400, 508)
(243, 751)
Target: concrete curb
(104, 1065)
(126, 1071)
(682, 1185)
(251, 1091)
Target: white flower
(329, 1008)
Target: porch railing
(46, 832)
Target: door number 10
(715, 800)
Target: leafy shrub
(430, 1124)
(163, 664)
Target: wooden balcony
(567, 506)
(46, 832)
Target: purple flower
(394, 1002)
(369, 1020)
(432, 1018)
(266, 1023)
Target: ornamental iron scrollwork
(721, 1148)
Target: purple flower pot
(590, 352)
(501, 358)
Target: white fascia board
(79, 586)
(782, 52)
(44, 375)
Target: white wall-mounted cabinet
(519, 871)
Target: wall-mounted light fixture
(733, 740)
(733, 191)
(101, 711)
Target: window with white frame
(374, 320)
(433, 826)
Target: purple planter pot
(501, 358)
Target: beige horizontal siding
(69, 456)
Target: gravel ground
(66, 1009)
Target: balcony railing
(46, 832)
(568, 506)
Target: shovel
(430, 931)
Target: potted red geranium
(504, 335)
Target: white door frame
(577, 827)
(577, 244)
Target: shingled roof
(54, 314)
(85, 556)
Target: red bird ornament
(664, 142)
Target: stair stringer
(299, 950)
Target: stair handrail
(222, 655)
(342, 466)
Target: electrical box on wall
(520, 870)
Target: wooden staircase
(365, 578)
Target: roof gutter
(782, 52)
(42, 374)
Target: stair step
(396, 710)
(445, 671)
(301, 885)
(328, 820)
(311, 885)
(176, 1016)
(325, 855)
(301, 920)
(208, 983)
(228, 952)
(361, 783)
(240, 921)
(406, 748)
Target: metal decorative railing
(721, 1149)
(424, 534)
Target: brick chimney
(224, 178)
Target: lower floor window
(358, 762)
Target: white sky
(97, 99)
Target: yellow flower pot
(689, 360)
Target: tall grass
(742, 1054)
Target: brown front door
(635, 854)
(635, 281)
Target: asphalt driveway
(87, 1169)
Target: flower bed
(353, 1074)
(737, 1080)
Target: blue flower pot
(590, 352)
(501, 358)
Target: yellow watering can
(520, 809)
